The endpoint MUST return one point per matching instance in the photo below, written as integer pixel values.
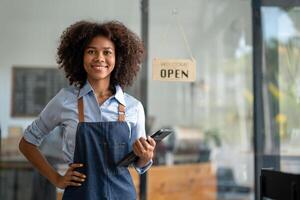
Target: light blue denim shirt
(62, 111)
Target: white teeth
(99, 66)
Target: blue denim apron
(99, 145)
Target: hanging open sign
(174, 70)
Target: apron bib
(99, 145)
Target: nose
(99, 57)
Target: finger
(134, 149)
(151, 141)
(138, 148)
(139, 145)
(75, 173)
(74, 184)
(137, 151)
(76, 179)
(69, 172)
(145, 144)
(76, 165)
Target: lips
(99, 67)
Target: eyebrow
(92, 47)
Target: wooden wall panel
(189, 182)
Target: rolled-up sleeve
(142, 170)
(48, 119)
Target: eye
(107, 52)
(91, 51)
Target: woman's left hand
(144, 149)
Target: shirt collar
(120, 95)
(87, 88)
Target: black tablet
(131, 157)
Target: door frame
(258, 105)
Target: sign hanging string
(181, 30)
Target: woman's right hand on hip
(71, 177)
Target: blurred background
(238, 116)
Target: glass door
(210, 154)
(281, 86)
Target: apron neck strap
(121, 111)
(121, 117)
(80, 109)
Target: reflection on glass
(282, 83)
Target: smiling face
(99, 59)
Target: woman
(101, 123)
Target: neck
(101, 87)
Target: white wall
(30, 30)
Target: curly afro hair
(128, 47)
